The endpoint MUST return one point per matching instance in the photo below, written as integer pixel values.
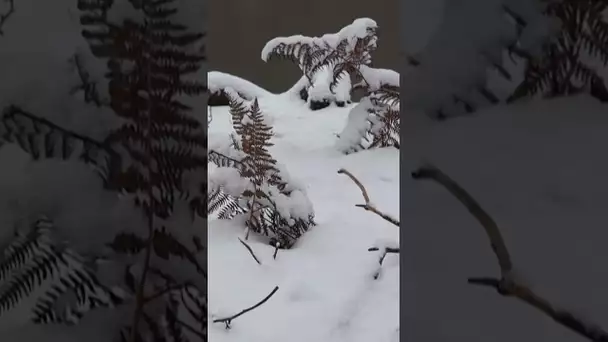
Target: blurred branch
(5, 16)
(507, 284)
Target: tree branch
(228, 320)
(386, 250)
(250, 251)
(4, 17)
(368, 206)
(508, 285)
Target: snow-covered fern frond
(41, 276)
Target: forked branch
(368, 205)
(508, 285)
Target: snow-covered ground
(326, 287)
(540, 170)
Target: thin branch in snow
(250, 251)
(368, 206)
(276, 250)
(386, 250)
(228, 320)
(5, 16)
(508, 285)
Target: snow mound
(218, 81)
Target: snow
(539, 169)
(357, 29)
(320, 89)
(326, 286)
(356, 127)
(377, 77)
(218, 81)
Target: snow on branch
(376, 78)
(356, 30)
(219, 81)
(508, 284)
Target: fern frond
(43, 139)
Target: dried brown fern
(255, 164)
(344, 52)
(161, 142)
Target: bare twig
(276, 250)
(508, 285)
(4, 17)
(228, 320)
(250, 251)
(386, 251)
(368, 206)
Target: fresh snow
(326, 286)
(357, 29)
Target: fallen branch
(228, 320)
(4, 17)
(250, 251)
(386, 251)
(276, 250)
(368, 206)
(507, 284)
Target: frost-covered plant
(155, 159)
(375, 120)
(328, 62)
(565, 65)
(249, 183)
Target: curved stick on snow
(508, 285)
(228, 320)
(250, 251)
(368, 206)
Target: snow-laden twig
(228, 320)
(250, 251)
(368, 205)
(508, 285)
